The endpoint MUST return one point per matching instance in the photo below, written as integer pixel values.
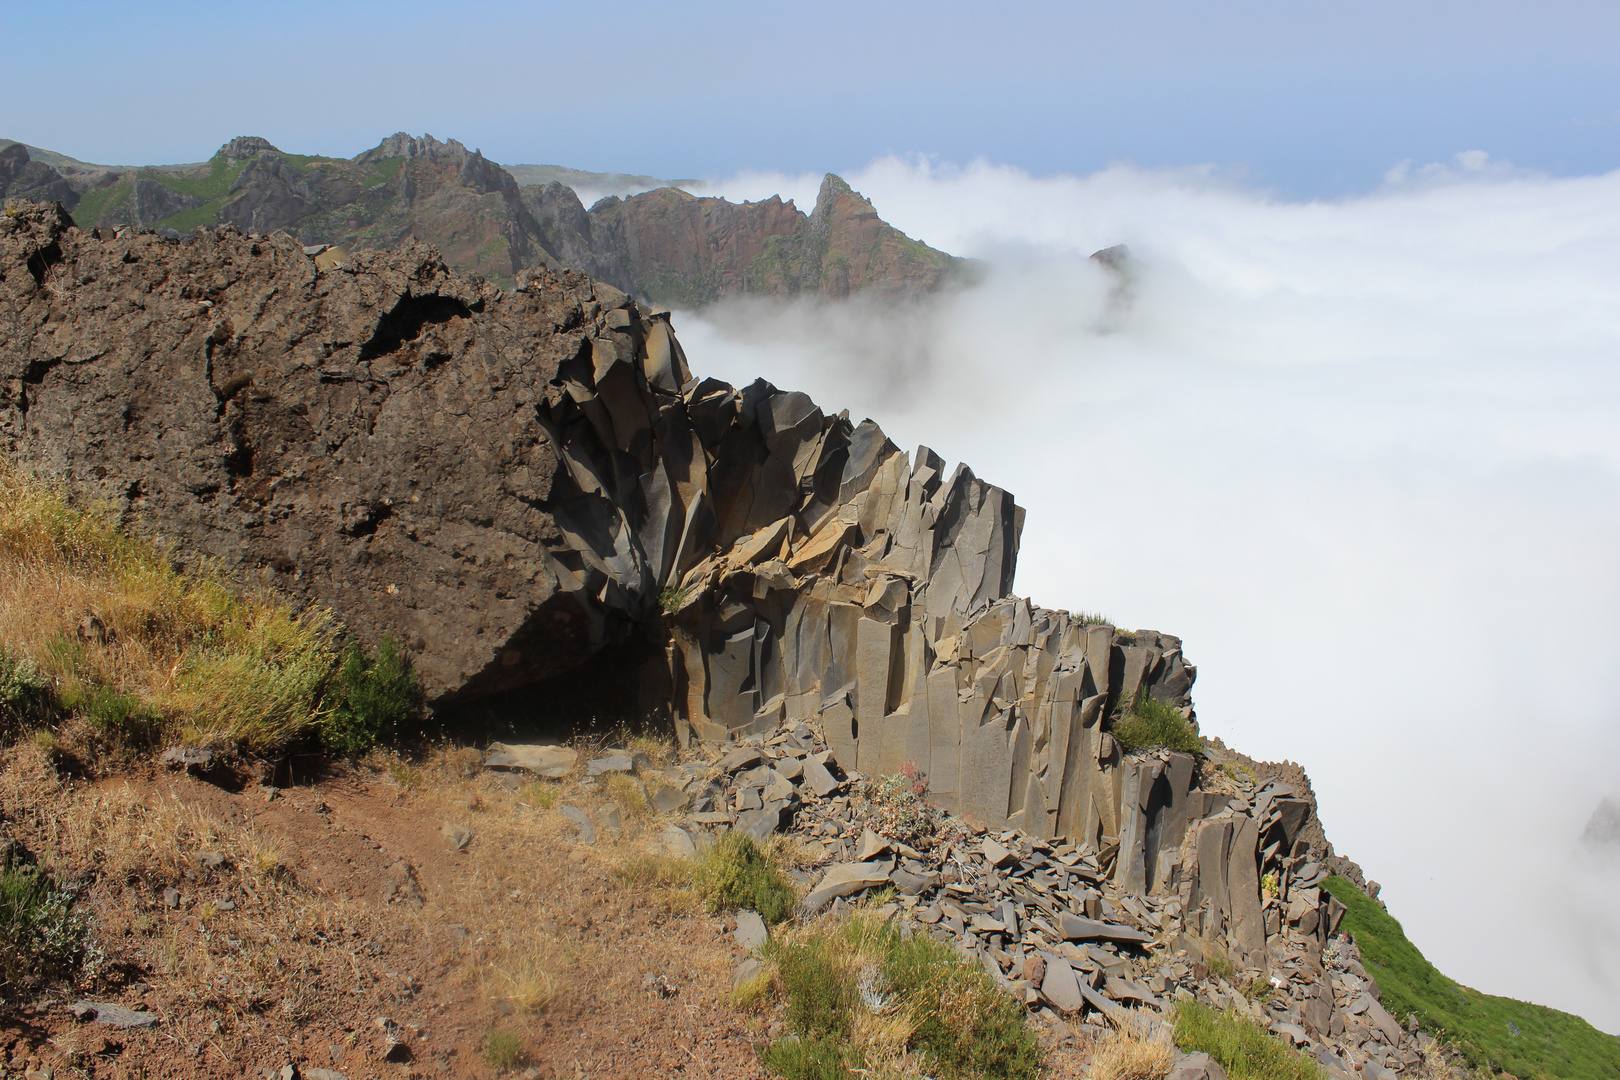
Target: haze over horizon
(1354, 439)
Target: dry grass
(268, 956)
(119, 633)
(1140, 1047)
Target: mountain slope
(664, 245)
(1501, 1033)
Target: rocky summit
(532, 489)
(662, 245)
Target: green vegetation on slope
(104, 638)
(1243, 1048)
(1529, 1041)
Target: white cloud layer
(1362, 455)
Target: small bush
(1242, 1047)
(503, 1049)
(736, 874)
(1150, 724)
(25, 693)
(370, 699)
(42, 937)
(671, 597)
(863, 995)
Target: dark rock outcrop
(23, 178)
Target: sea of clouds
(1362, 455)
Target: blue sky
(1307, 99)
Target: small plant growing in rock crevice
(897, 807)
(1150, 724)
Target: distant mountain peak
(246, 148)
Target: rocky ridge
(512, 481)
(664, 245)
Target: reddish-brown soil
(353, 905)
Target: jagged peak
(834, 188)
(244, 147)
(404, 144)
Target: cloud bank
(1362, 455)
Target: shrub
(863, 994)
(25, 693)
(1242, 1047)
(734, 874)
(370, 699)
(42, 937)
(503, 1049)
(1150, 724)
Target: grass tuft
(1139, 1047)
(503, 1049)
(734, 874)
(862, 997)
(371, 698)
(1242, 1047)
(1150, 724)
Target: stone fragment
(751, 932)
(995, 854)
(547, 760)
(818, 779)
(1060, 986)
(761, 823)
(582, 822)
(456, 836)
(843, 879)
(872, 845)
(1076, 928)
(114, 1015)
(678, 842)
(617, 762)
(667, 799)
(745, 971)
(1196, 1067)
(171, 897)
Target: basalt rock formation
(665, 245)
(511, 481)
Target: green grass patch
(861, 997)
(44, 938)
(1242, 1047)
(95, 203)
(502, 1049)
(382, 172)
(1496, 1032)
(735, 874)
(1149, 724)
